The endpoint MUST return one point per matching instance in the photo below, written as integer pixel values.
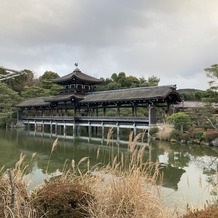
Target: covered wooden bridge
(78, 105)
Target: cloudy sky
(174, 40)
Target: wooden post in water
(56, 128)
(50, 126)
(90, 130)
(118, 132)
(102, 131)
(134, 130)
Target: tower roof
(78, 76)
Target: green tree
(153, 81)
(34, 91)
(212, 74)
(8, 100)
(114, 77)
(46, 80)
(180, 120)
(18, 83)
(48, 75)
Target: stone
(215, 142)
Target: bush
(180, 120)
(62, 199)
(153, 131)
(175, 134)
(200, 135)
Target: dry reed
(13, 193)
(165, 132)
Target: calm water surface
(187, 168)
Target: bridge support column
(43, 126)
(152, 114)
(102, 130)
(64, 129)
(118, 132)
(78, 130)
(56, 128)
(51, 127)
(74, 129)
(90, 130)
(134, 130)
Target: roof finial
(76, 64)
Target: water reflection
(186, 168)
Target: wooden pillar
(102, 130)
(104, 111)
(118, 110)
(50, 126)
(19, 115)
(74, 129)
(118, 132)
(134, 130)
(43, 126)
(56, 128)
(134, 110)
(90, 130)
(64, 129)
(152, 114)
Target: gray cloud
(172, 39)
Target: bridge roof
(134, 94)
(157, 93)
(33, 102)
(79, 76)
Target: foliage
(48, 75)
(45, 82)
(191, 94)
(176, 135)
(200, 135)
(179, 120)
(18, 83)
(8, 100)
(121, 81)
(34, 91)
(212, 74)
(153, 130)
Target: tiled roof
(79, 76)
(33, 102)
(142, 93)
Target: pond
(187, 169)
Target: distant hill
(189, 90)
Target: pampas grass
(54, 145)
